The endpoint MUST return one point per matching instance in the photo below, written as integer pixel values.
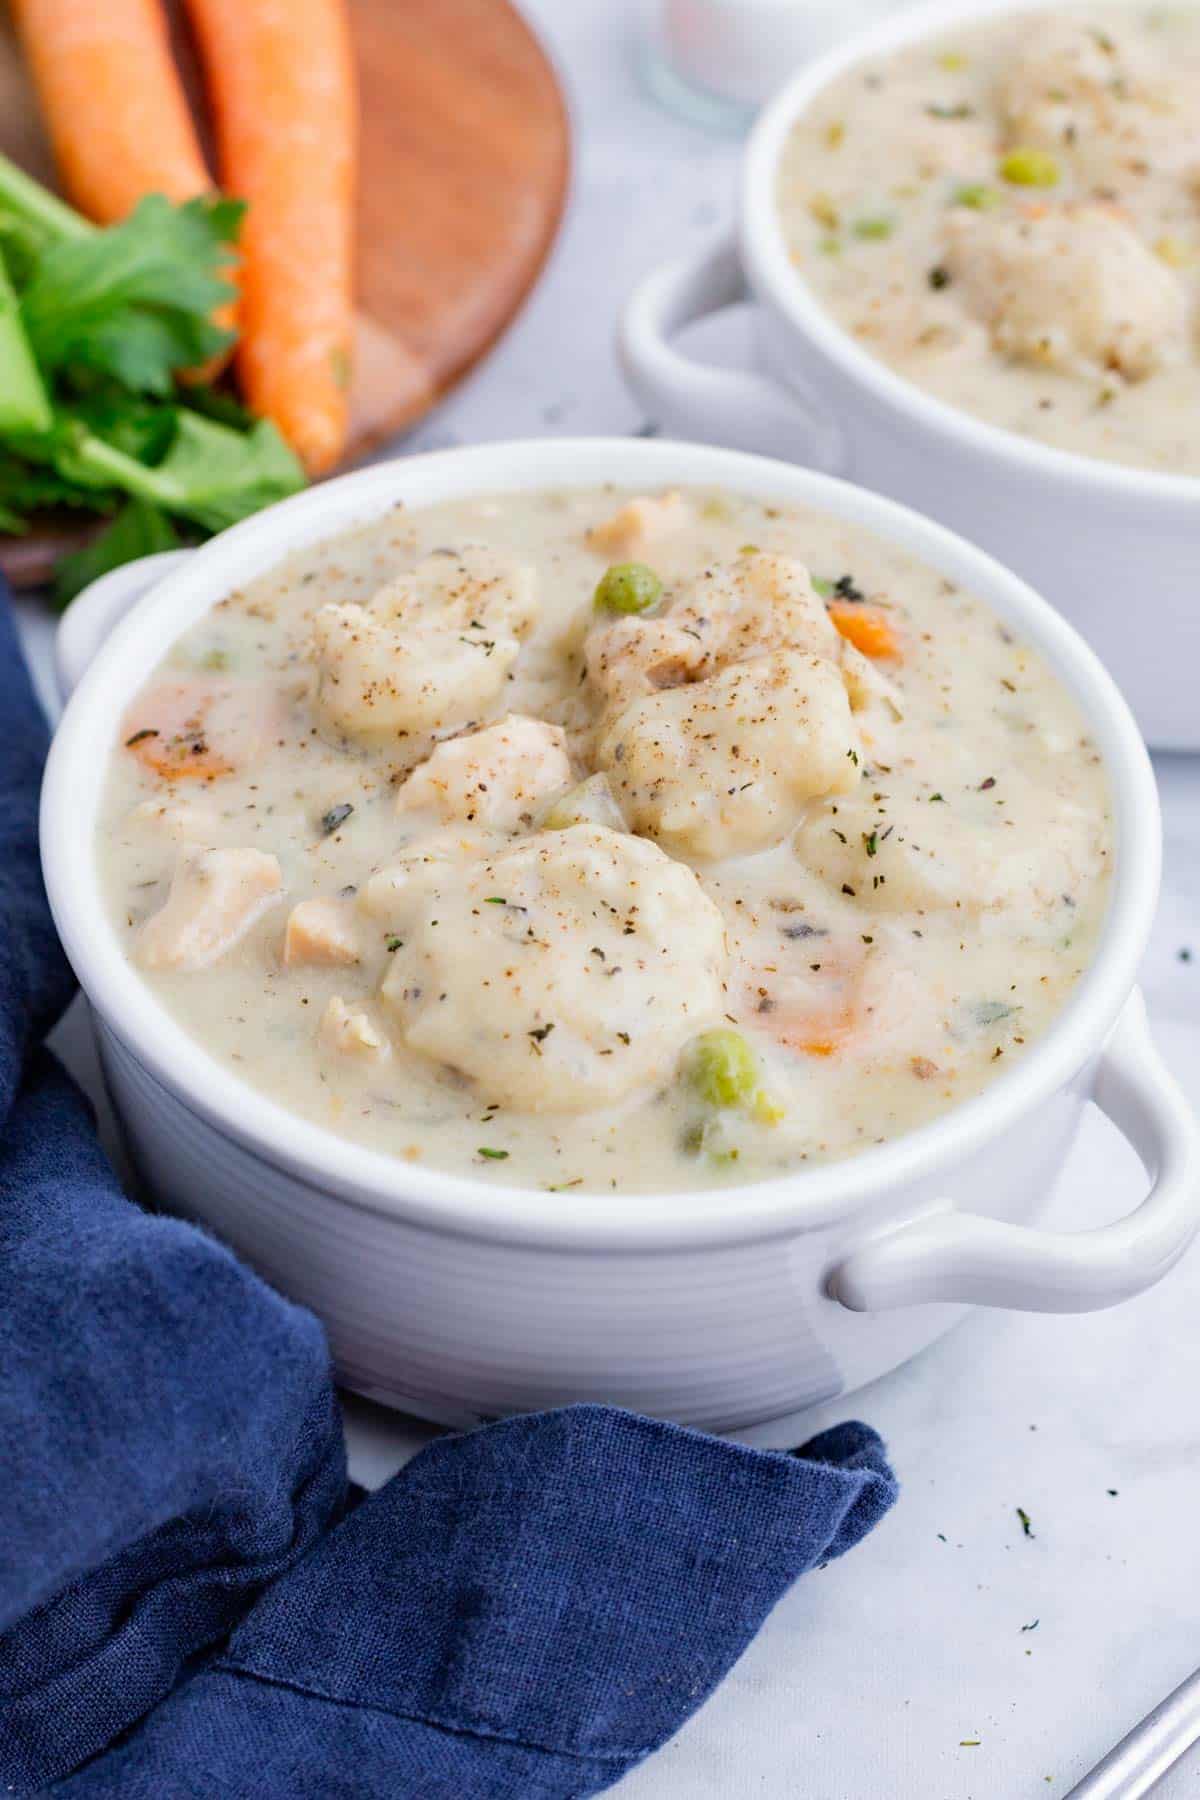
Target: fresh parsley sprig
(95, 326)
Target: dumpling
(559, 972)
(430, 653)
(1074, 289)
(722, 767)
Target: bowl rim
(320, 1159)
(773, 275)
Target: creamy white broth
(885, 873)
(1066, 312)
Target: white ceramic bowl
(1114, 548)
(731, 1308)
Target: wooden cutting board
(465, 153)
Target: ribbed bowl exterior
(457, 1329)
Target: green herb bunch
(95, 325)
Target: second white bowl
(1114, 548)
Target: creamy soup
(598, 840)
(1010, 217)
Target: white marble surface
(872, 1673)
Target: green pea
(977, 195)
(627, 588)
(722, 1068)
(1030, 168)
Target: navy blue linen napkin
(188, 1604)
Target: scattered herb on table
(1026, 1526)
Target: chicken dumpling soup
(1009, 215)
(600, 840)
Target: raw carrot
(112, 101)
(281, 83)
(866, 627)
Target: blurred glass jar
(716, 61)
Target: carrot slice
(112, 101)
(866, 627)
(194, 730)
(281, 84)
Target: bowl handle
(964, 1258)
(98, 609)
(738, 408)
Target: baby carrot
(281, 83)
(866, 627)
(112, 101)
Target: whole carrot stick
(112, 101)
(281, 83)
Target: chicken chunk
(430, 653)
(1074, 289)
(722, 767)
(500, 776)
(559, 972)
(215, 899)
(638, 524)
(320, 933)
(346, 1033)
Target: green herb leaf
(873, 229)
(24, 402)
(210, 474)
(991, 1012)
(29, 488)
(493, 1155)
(977, 195)
(135, 301)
